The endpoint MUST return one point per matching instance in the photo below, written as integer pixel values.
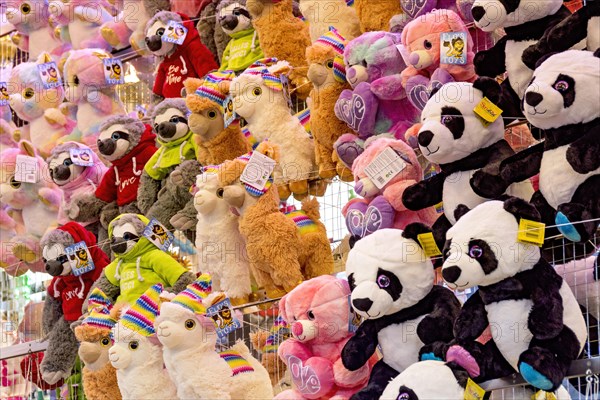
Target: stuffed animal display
(321, 16)
(375, 15)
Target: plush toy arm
(159, 81)
(185, 219)
(408, 73)
(349, 379)
(546, 317)
(85, 208)
(522, 165)
(491, 62)
(184, 280)
(424, 194)
(147, 192)
(225, 59)
(584, 153)
(487, 181)
(394, 193)
(102, 283)
(292, 347)
(60, 354)
(185, 174)
(388, 88)
(51, 314)
(472, 320)
(361, 346)
(439, 324)
(109, 212)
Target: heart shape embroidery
(361, 223)
(304, 377)
(414, 8)
(351, 111)
(419, 88)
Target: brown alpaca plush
(327, 73)
(283, 36)
(375, 15)
(281, 254)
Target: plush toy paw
(299, 187)
(540, 368)
(568, 217)
(463, 358)
(182, 221)
(419, 88)
(363, 219)
(327, 170)
(52, 377)
(358, 109)
(185, 174)
(487, 185)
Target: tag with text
(258, 170)
(4, 97)
(223, 318)
(26, 169)
(156, 233)
(453, 49)
(487, 111)
(531, 232)
(82, 157)
(428, 244)
(113, 71)
(175, 33)
(49, 75)
(385, 167)
(80, 258)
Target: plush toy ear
(352, 241)
(544, 58)
(269, 149)
(460, 210)
(191, 84)
(521, 209)
(412, 231)
(282, 308)
(489, 87)
(597, 52)
(27, 148)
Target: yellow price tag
(542, 395)
(428, 244)
(473, 391)
(531, 232)
(487, 111)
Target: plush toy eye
(446, 119)
(105, 342)
(561, 86)
(311, 315)
(14, 184)
(427, 44)
(28, 93)
(75, 80)
(257, 91)
(160, 31)
(330, 64)
(236, 12)
(67, 162)
(115, 136)
(475, 252)
(190, 324)
(383, 281)
(134, 344)
(212, 114)
(220, 192)
(128, 236)
(25, 8)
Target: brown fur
(271, 361)
(375, 15)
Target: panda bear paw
(567, 218)
(540, 368)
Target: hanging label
(26, 169)
(385, 167)
(113, 71)
(141, 112)
(222, 315)
(4, 97)
(80, 258)
(404, 53)
(258, 170)
(156, 233)
(453, 49)
(285, 83)
(531, 232)
(473, 391)
(229, 115)
(82, 157)
(543, 395)
(354, 320)
(487, 111)
(175, 33)
(49, 75)
(428, 244)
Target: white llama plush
(137, 355)
(189, 339)
(221, 246)
(258, 97)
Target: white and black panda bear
(392, 283)
(524, 22)
(468, 153)
(563, 99)
(537, 325)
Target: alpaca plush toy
(422, 42)
(220, 245)
(99, 376)
(157, 196)
(316, 350)
(34, 205)
(80, 22)
(244, 48)
(284, 37)
(87, 88)
(283, 250)
(127, 144)
(382, 208)
(66, 293)
(377, 102)
(321, 16)
(327, 73)
(137, 355)
(190, 59)
(39, 106)
(189, 338)
(375, 15)
(258, 98)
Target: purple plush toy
(378, 103)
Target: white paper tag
(385, 167)
(80, 258)
(175, 33)
(26, 169)
(49, 75)
(229, 114)
(4, 97)
(258, 170)
(82, 157)
(113, 71)
(156, 233)
(403, 52)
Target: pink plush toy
(320, 317)
(383, 208)
(80, 22)
(422, 42)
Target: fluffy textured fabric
(310, 308)
(141, 315)
(211, 33)
(191, 298)
(320, 17)
(80, 22)
(383, 208)
(267, 344)
(375, 15)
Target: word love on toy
(453, 49)
(4, 97)
(175, 33)
(80, 258)
(113, 71)
(304, 377)
(49, 75)
(222, 316)
(158, 235)
(82, 157)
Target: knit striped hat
(261, 67)
(98, 299)
(140, 317)
(99, 317)
(191, 297)
(337, 42)
(210, 87)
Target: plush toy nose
(351, 73)
(229, 22)
(106, 147)
(533, 98)
(54, 267)
(413, 58)
(297, 329)
(425, 138)
(451, 274)
(419, 59)
(362, 304)
(118, 245)
(166, 129)
(304, 330)
(154, 42)
(61, 173)
(89, 353)
(317, 75)
(477, 12)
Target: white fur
(428, 379)
(323, 14)
(54, 251)
(496, 15)
(519, 74)
(221, 246)
(398, 344)
(166, 48)
(120, 230)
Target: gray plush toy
(211, 33)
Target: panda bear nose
(451, 274)
(533, 98)
(362, 304)
(425, 138)
(477, 12)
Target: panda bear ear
(352, 241)
(544, 58)
(412, 231)
(521, 209)
(460, 210)
(489, 87)
(597, 52)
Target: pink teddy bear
(321, 323)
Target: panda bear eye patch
(390, 283)
(479, 250)
(510, 5)
(565, 85)
(453, 119)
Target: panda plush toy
(468, 152)
(392, 283)
(539, 326)
(563, 100)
